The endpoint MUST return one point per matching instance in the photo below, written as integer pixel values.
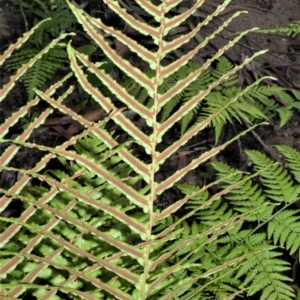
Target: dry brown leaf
(93, 116)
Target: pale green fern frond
(292, 30)
(91, 226)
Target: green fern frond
(246, 196)
(284, 228)
(61, 19)
(41, 71)
(262, 94)
(136, 90)
(208, 215)
(253, 104)
(258, 271)
(292, 30)
(292, 158)
(279, 184)
(222, 212)
(224, 66)
(187, 119)
(170, 82)
(284, 114)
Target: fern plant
(91, 228)
(58, 13)
(274, 195)
(59, 19)
(254, 104)
(293, 29)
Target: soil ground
(11, 24)
(267, 14)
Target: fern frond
(92, 226)
(279, 184)
(253, 104)
(22, 40)
(170, 82)
(292, 30)
(293, 160)
(37, 75)
(224, 66)
(46, 31)
(246, 196)
(284, 114)
(60, 19)
(284, 228)
(257, 271)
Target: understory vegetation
(99, 211)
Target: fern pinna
(91, 229)
(58, 20)
(273, 223)
(255, 104)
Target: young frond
(225, 66)
(292, 30)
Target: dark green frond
(61, 20)
(41, 71)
